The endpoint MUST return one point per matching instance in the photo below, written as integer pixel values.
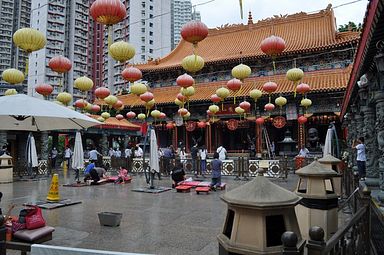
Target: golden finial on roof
(250, 20)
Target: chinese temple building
(313, 44)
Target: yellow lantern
(187, 92)
(155, 114)
(306, 102)
(122, 51)
(239, 110)
(64, 97)
(213, 108)
(222, 93)
(178, 102)
(241, 72)
(187, 115)
(88, 107)
(105, 115)
(138, 89)
(101, 119)
(150, 104)
(281, 101)
(255, 94)
(10, 92)
(29, 39)
(13, 76)
(141, 116)
(83, 83)
(110, 100)
(192, 63)
(295, 74)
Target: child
(123, 173)
(216, 171)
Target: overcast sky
(219, 12)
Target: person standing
(183, 157)
(216, 165)
(304, 152)
(194, 151)
(111, 152)
(128, 156)
(167, 156)
(359, 145)
(203, 158)
(138, 152)
(54, 153)
(67, 155)
(222, 152)
(93, 155)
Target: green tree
(351, 26)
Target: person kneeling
(177, 174)
(216, 171)
(123, 173)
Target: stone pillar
(3, 138)
(369, 135)
(104, 144)
(352, 134)
(44, 145)
(379, 100)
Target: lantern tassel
(274, 66)
(26, 66)
(294, 92)
(222, 106)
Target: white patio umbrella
(154, 153)
(78, 153)
(22, 112)
(328, 143)
(31, 154)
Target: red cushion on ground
(189, 183)
(183, 187)
(114, 178)
(203, 189)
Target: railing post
(237, 164)
(315, 244)
(366, 202)
(289, 240)
(285, 167)
(244, 170)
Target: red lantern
(182, 111)
(146, 97)
(201, 124)
(108, 12)
(302, 119)
(102, 92)
(245, 105)
(302, 88)
(131, 74)
(44, 89)
(162, 115)
(131, 115)
(181, 97)
(80, 103)
(170, 125)
(270, 87)
(272, 45)
(95, 108)
(215, 98)
(269, 107)
(260, 121)
(234, 84)
(119, 117)
(194, 31)
(118, 105)
(209, 113)
(60, 64)
(185, 81)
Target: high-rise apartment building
(65, 24)
(14, 14)
(181, 13)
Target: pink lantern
(302, 120)
(201, 124)
(102, 92)
(118, 105)
(131, 74)
(146, 97)
(260, 121)
(170, 125)
(181, 97)
(245, 105)
(182, 111)
(303, 88)
(185, 81)
(80, 103)
(270, 87)
(272, 45)
(60, 64)
(194, 31)
(119, 117)
(44, 89)
(162, 115)
(215, 98)
(234, 84)
(131, 115)
(269, 107)
(95, 108)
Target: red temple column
(259, 141)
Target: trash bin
(6, 168)
(110, 219)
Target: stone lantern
(259, 212)
(6, 168)
(319, 204)
(333, 163)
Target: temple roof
(302, 33)
(113, 123)
(319, 81)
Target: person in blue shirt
(87, 171)
(216, 165)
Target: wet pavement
(164, 223)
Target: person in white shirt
(67, 155)
(203, 160)
(93, 155)
(117, 153)
(359, 145)
(128, 152)
(222, 152)
(138, 151)
(111, 152)
(304, 152)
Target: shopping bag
(34, 219)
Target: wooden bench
(183, 189)
(202, 190)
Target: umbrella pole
(145, 167)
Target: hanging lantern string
(110, 31)
(27, 64)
